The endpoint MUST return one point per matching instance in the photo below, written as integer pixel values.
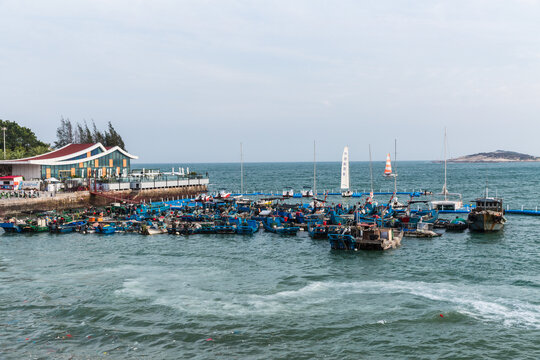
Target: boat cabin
(448, 202)
(494, 204)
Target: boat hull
(486, 221)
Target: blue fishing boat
(11, 227)
(206, 228)
(224, 228)
(105, 229)
(275, 226)
(247, 227)
(69, 227)
(342, 242)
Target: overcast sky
(187, 81)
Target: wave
(506, 305)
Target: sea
(460, 296)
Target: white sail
(345, 183)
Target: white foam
(484, 303)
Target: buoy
(441, 315)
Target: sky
(188, 81)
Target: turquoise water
(260, 297)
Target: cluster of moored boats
(366, 225)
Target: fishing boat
(104, 228)
(388, 168)
(488, 215)
(34, 226)
(376, 238)
(12, 226)
(366, 238)
(446, 201)
(64, 228)
(247, 227)
(150, 228)
(274, 225)
(345, 181)
(222, 227)
(420, 230)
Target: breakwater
(80, 199)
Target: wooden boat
(366, 238)
(420, 230)
(376, 238)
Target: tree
(64, 133)
(68, 133)
(112, 138)
(87, 134)
(20, 141)
(97, 136)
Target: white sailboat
(345, 182)
(447, 201)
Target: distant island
(495, 156)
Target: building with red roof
(73, 160)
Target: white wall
(29, 171)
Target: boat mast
(370, 170)
(445, 190)
(314, 172)
(241, 170)
(395, 168)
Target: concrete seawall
(81, 199)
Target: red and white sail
(388, 167)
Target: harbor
(297, 275)
(269, 180)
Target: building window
(96, 163)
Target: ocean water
(271, 297)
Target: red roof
(68, 150)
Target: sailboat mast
(395, 167)
(370, 169)
(445, 156)
(314, 171)
(241, 170)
